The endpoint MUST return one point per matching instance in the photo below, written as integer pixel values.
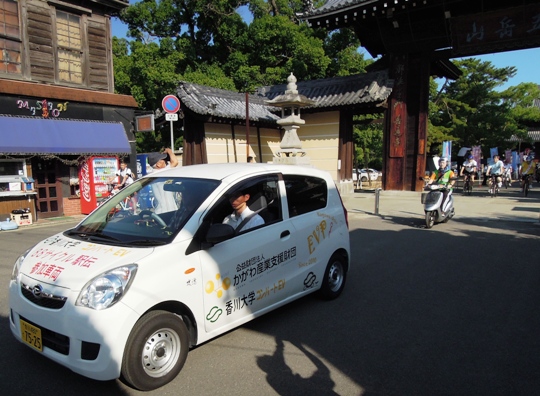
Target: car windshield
(149, 212)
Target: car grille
(44, 300)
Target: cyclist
(508, 167)
(469, 168)
(528, 168)
(444, 176)
(125, 174)
(496, 170)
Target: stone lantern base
(291, 157)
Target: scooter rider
(443, 176)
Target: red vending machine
(94, 176)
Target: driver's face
(238, 200)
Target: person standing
(165, 200)
(163, 160)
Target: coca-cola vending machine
(94, 178)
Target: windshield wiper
(94, 235)
(146, 242)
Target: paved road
(446, 311)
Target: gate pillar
(405, 124)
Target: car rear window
(305, 194)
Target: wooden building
(57, 101)
(216, 130)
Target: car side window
(305, 194)
(264, 201)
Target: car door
(247, 274)
(307, 198)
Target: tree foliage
(471, 111)
(368, 140)
(208, 42)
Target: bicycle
(493, 185)
(467, 184)
(525, 186)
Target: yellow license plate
(31, 335)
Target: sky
(525, 61)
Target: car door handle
(285, 234)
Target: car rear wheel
(156, 350)
(334, 277)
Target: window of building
(10, 38)
(68, 28)
(12, 175)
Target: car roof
(235, 170)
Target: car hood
(71, 263)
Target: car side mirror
(218, 233)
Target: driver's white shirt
(235, 221)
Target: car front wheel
(156, 350)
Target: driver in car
(242, 218)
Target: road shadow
(28, 372)
(286, 382)
(423, 313)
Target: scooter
(433, 205)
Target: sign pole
(171, 105)
(172, 137)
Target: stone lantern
(290, 103)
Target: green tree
(521, 100)
(207, 42)
(368, 140)
(471, 111)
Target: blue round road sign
(170, 104)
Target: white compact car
(154, 270)
(366, 174)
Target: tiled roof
(334, 5)
(222, 103)
(368, 89)
(534, 136)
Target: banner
(447, 151)
(515, 164)
(493, 152)
(477, 155)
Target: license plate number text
(31, 335)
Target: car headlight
(17, 266)
(108, 288)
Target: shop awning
(25, 135)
